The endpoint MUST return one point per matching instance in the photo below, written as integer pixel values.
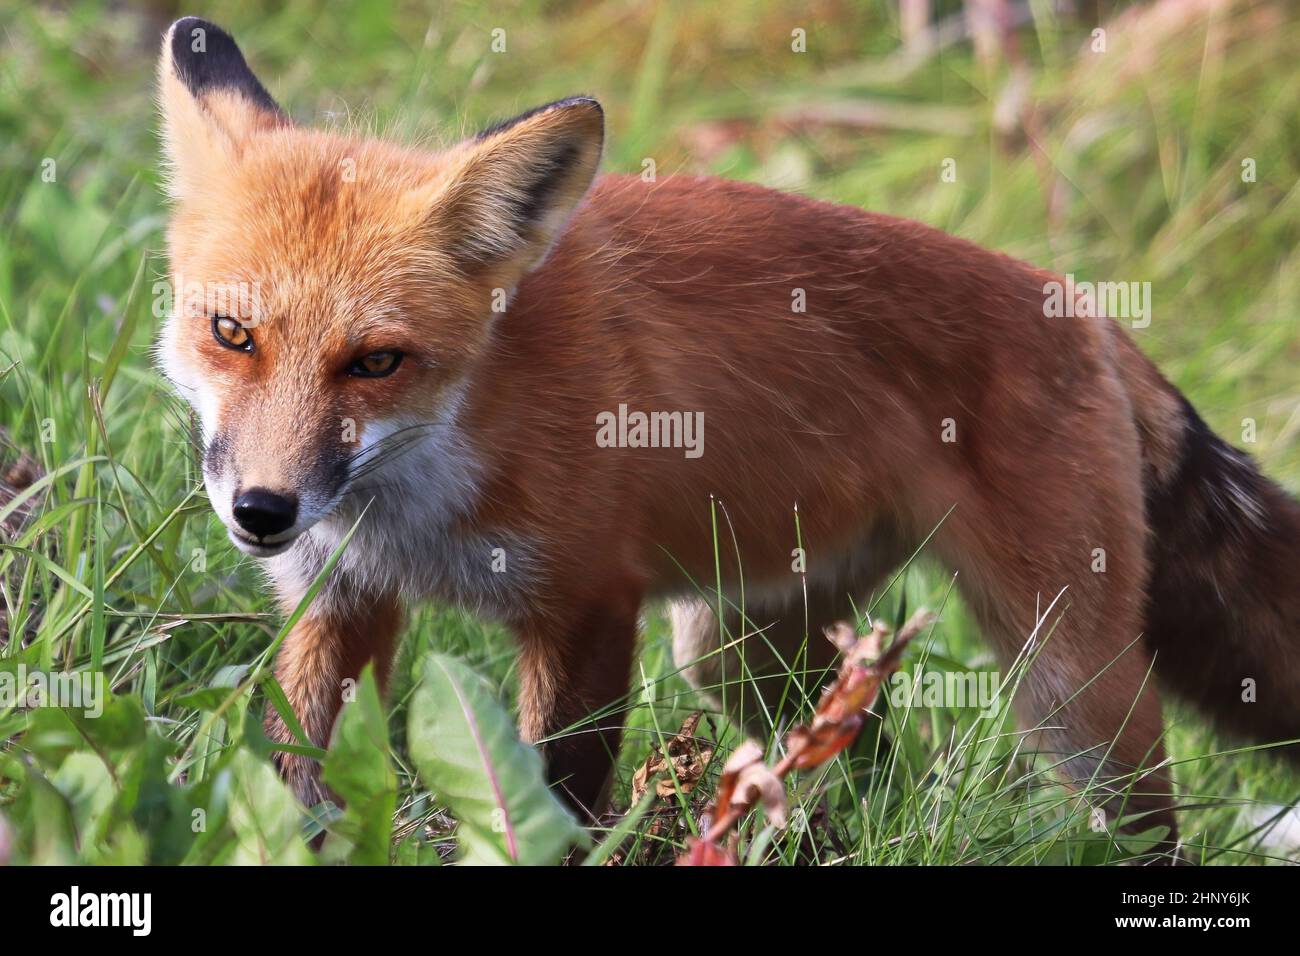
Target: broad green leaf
(51, 836)
(155, 807)
(87, 785)
(465, 747)
(205, 698)
(119, 726)
(416, 851)
(51, 736)
(357, 769)
(264, 815)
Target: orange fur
(323, 653)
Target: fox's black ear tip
(193, 39)
(588, 104)
(205, 57)
(183, 31)
(184, 23)
(572, 106)
(594, 110)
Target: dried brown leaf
(757, 783)
(687, 756)
(743, 756)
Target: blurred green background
(1164, 148)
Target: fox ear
(210, 101)
(505, 196)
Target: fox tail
(1223, 612)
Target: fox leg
(1095, 697)
(1091, 695)
(331, 643)
(571, 672)
(1088, 695)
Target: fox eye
(231, 333)
(376, 364)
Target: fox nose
(262, 513)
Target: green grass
(1128, 168)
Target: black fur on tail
(1223, 616)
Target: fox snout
(264, 513)
(263, 522)
(268, 492)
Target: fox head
(332, 292)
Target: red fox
(511, 366)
